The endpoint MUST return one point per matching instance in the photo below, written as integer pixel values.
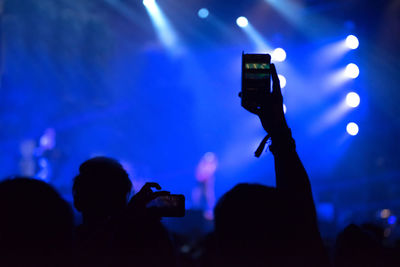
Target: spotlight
(392, 219)
(279, 55)
(352, 71)
(203, 13)
(166, 33)
(242, 22)
(148, 2)
(352, 128)
(352, 99)
(282, 81)
(352, 42)
(284, 109)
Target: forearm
(291, 177)
(293, 183)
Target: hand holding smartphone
(256, 80)
(168, 206)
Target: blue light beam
(164, 30)
(329, 118)
(302, 17)
(261, 45)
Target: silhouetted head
(249, 222)
(358, 246)
(36, 223)
(101, 189)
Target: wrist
(280, 131)
(282, 140)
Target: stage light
(352, 99)
(352, 128)
(166, 33)
(282, 80)
(279, 55)
(352, 71)
(242, 22)
(392, 219)
(284, 109)
(148, 3)
(352, 42)
(203, 13)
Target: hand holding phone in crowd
(159, 203)
(257, 96)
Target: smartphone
(256, 79)
(168, 206)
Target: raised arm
(291, 177)
(290, 173)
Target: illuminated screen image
(257, 66)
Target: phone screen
(256, 76)
(256, 79)
(168, 206)
(257, 66)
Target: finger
(276, 87)
(152, 185)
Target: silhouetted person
(116, 231)
(100, 191)
(263, 226)
(361, 246)
(36, 224)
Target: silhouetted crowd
(253, 223)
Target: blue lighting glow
(282, 80)
(242, 22)
(330, 53)
(278, 55)
(352, 42)
(148, 3)
(154, 84)
(162, 26)
(295, 12)
(353, 99)
(261, 45)
(203, 13)
(352, 128)
(352, 71)
(392, 220)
